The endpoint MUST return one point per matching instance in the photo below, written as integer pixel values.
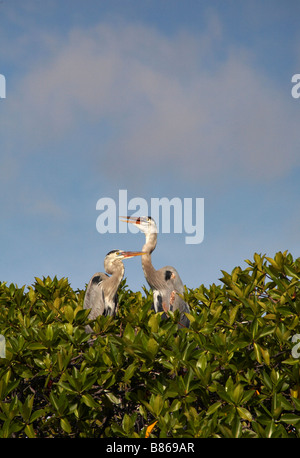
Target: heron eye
(116, 253)
(112, 251)
(168, 275)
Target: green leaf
(26, 408)
(213, 408)
(190, 317)
(69, 313)
(67, 387)
(129, 332)
(32, 295)
(157, 404)
(290, 361)
(202, 362)
(266, 355)
(129, 372)
(37, 414)
(175, 406)
(59, 403)
(54, 401)
(36, 346)
(233, 313)
(271, 426)
(258, 260)
(49, 332)
(152, 346)
(275, 279)
(257, 352)
(267, 381)
(273, 263)
(81, 316)
(254, 328)
(266, 331)
(113, 398)
(290, 418)
(291, 272)
(89, 401)
(39, 281)
(127, 423)
(153, 322)
(296, 402)
(244, 413)
(106, 359)
(237, 394)
(29, 431)
(65, 425)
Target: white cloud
(167, 100)
(45, 208)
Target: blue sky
(161, 98)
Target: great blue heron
(165, 283)
(101, 293)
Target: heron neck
(149, 271)
(112, 284)
(151, 240)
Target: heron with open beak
(165, 283)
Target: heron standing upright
(165, 283)
(101, 293)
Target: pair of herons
(101, 294)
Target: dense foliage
(234, 373)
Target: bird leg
(172, 300)
(165, 308)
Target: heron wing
(182, 306)
(94, 297)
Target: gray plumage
(101, 293)
(165, 283)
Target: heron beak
(143, 223)
(132, 219)
(131, 254)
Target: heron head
(145, 224)
(116, 256)
(120, 254)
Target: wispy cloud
(160, 102)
